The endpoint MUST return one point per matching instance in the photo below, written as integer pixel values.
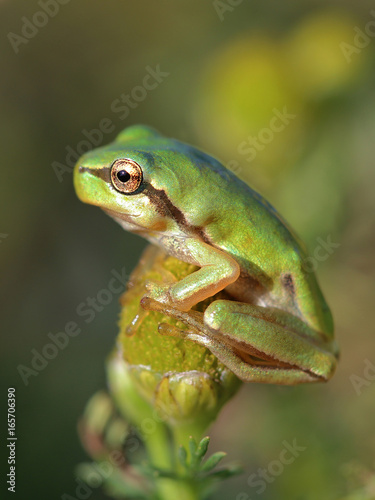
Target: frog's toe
(150, 304)
(171, 330)
(191, 334)
(150, 285)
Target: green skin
(278, 327)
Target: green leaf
(203, 447)
(200, 451)
(192, 446)
(213, 461)
(231, 470)
(182, 456)
(152, 472)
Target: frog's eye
(126, 176)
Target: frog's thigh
(258, 328)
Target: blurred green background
(231, 67)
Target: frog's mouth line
(117, 215)
(126, 222)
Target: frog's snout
(80, 183)
(82, 169)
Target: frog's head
(142, 179)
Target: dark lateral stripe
(103, 173)
(288, 283)
(165, 207)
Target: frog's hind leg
(267, 344)
(247, 367)
(258, 344)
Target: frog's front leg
(269, 345)
(218, 270)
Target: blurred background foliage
(229, 69)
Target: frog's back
(239, 221)
(272, 257)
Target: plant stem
(170, 489)
(162, 456)
(183, 431)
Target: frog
(276, 326)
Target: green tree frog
(277, 328)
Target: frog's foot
(197, 331)
(158, 293)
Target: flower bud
(183, 381)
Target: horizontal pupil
(123, 176)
